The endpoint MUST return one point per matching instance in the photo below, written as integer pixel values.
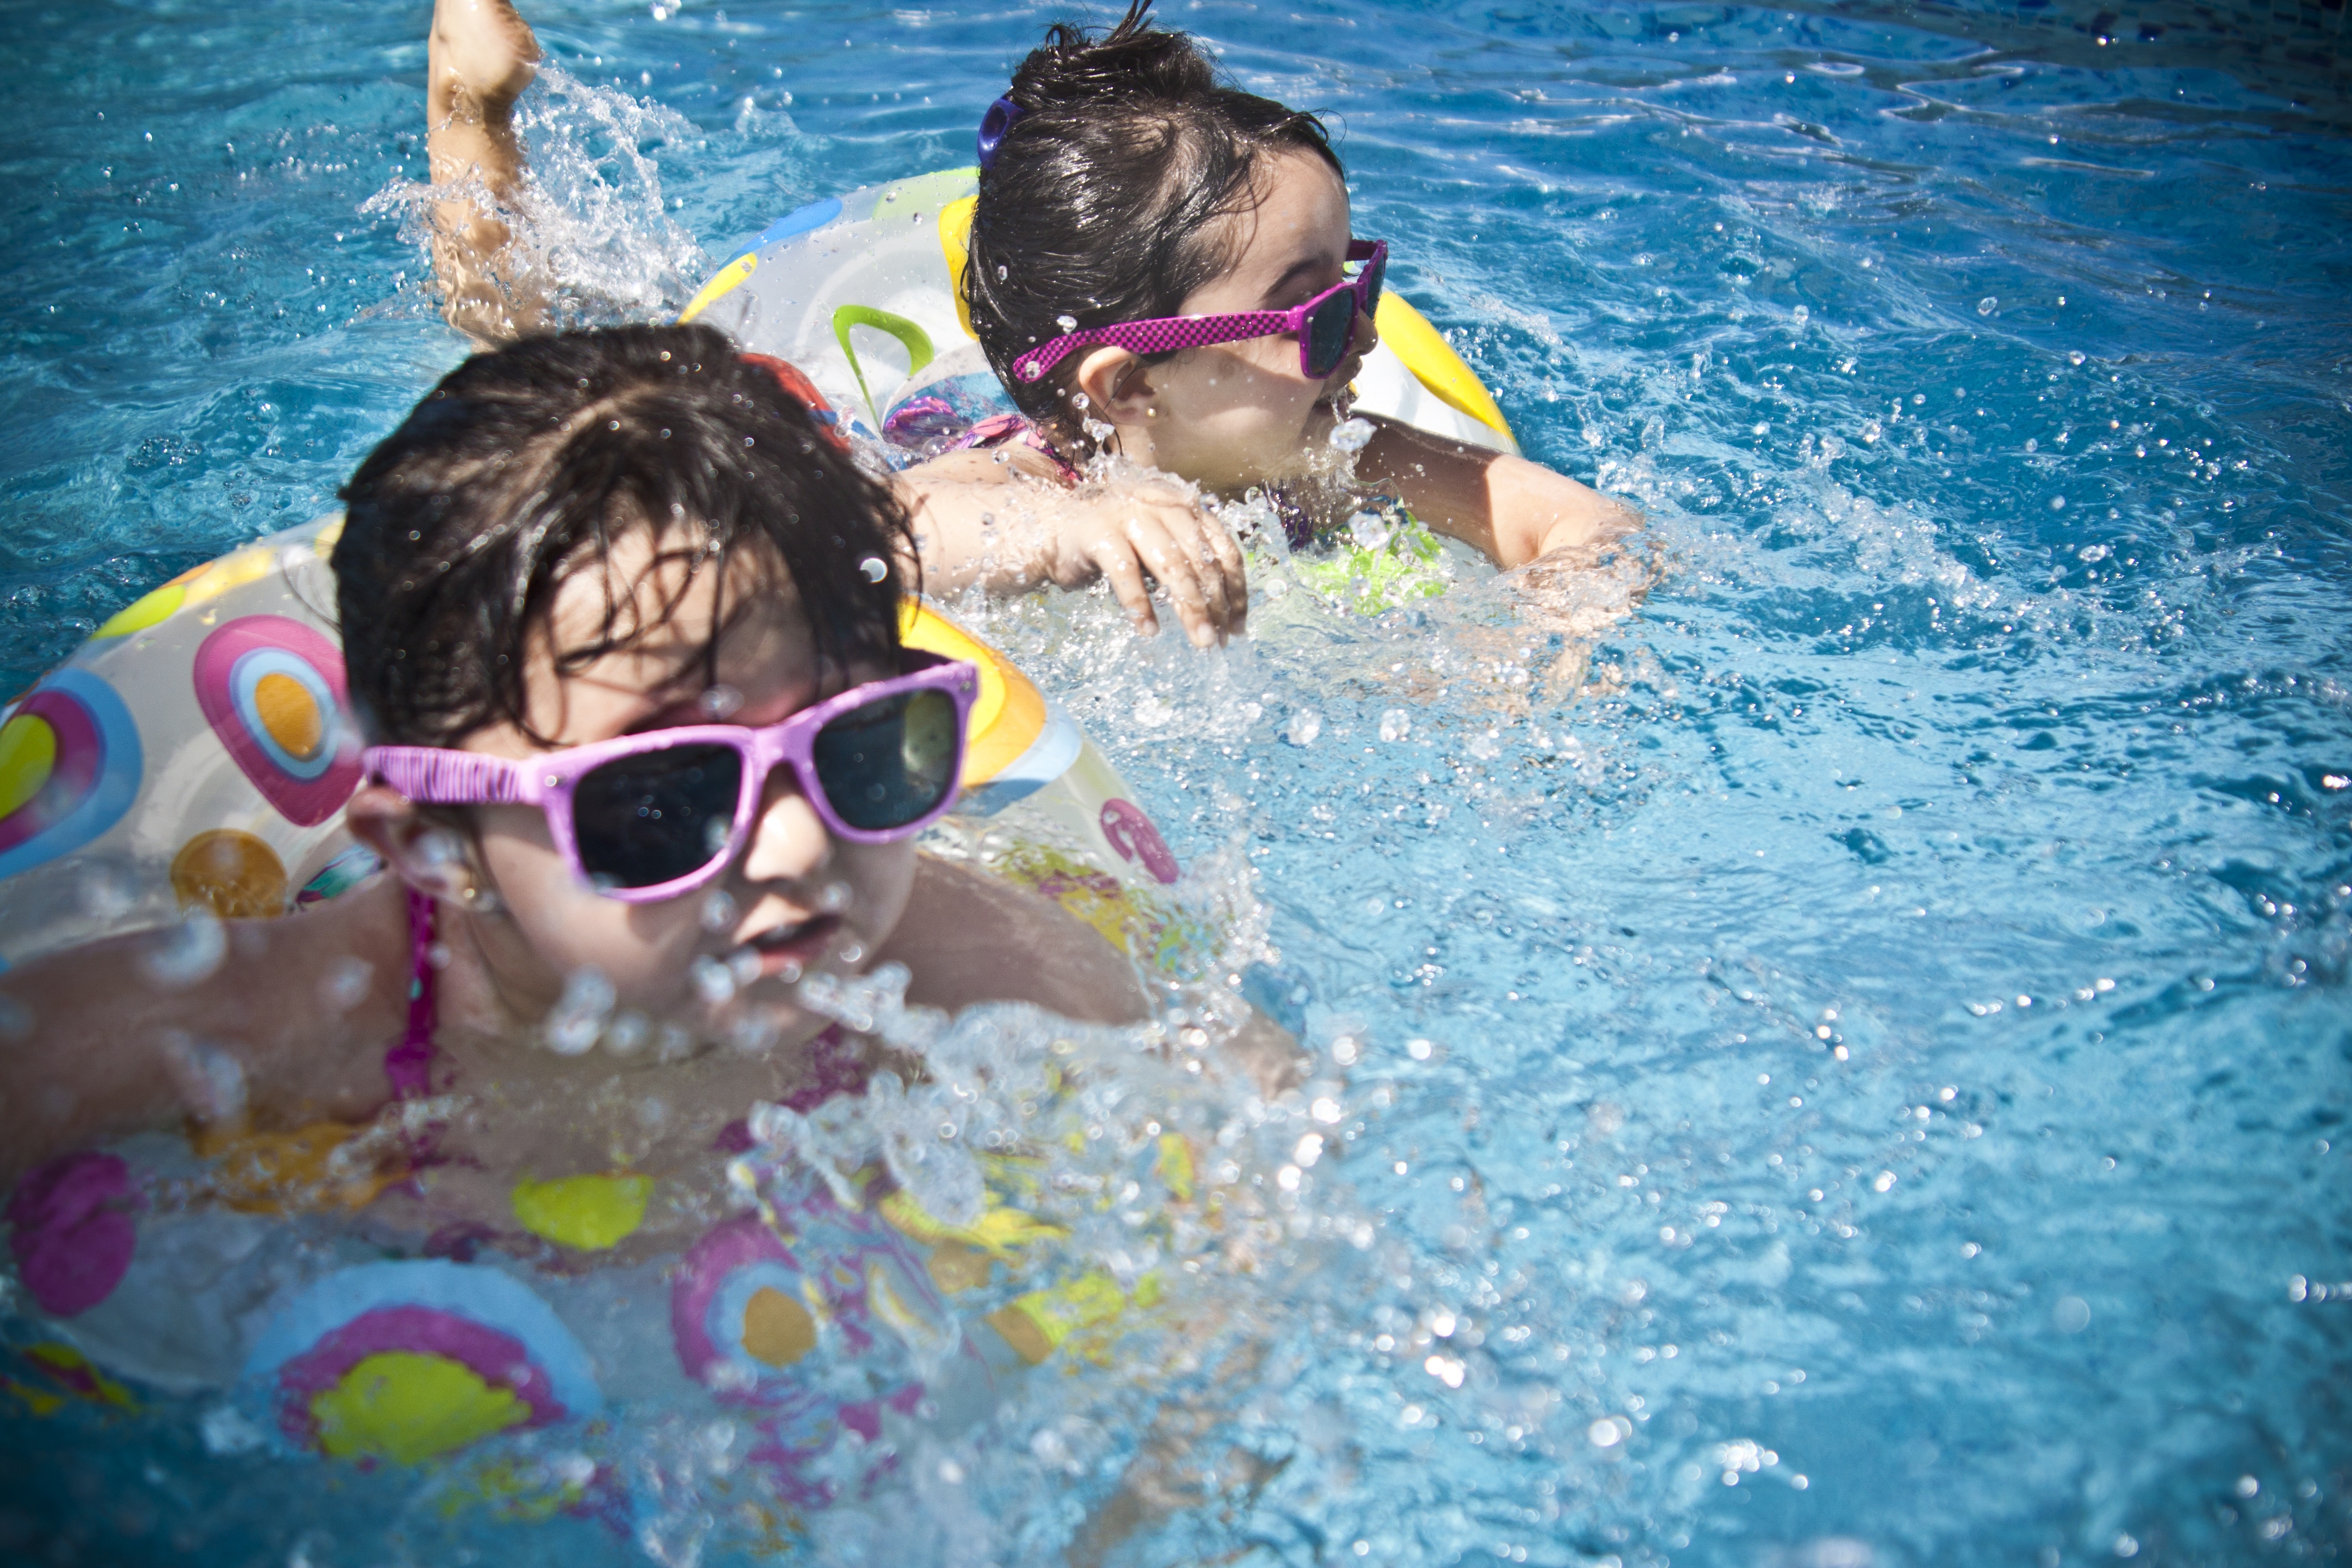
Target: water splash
(592, 229)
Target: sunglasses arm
(1165, 335)
(433, 777)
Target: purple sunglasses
(1326, 325)
(651, 816)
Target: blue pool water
(1851, 1056)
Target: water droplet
(578, 1014)
(1987, 305)
(713, 981)
(873, 569)
(1067, 324)
(1395, 724)
(1303, 727)
(1352, 434)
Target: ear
(428, 856)
(1117, 385)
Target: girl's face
(795, 901)
(1235, 415)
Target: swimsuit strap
(1297, 526)
(1000, 428)
(409, 1065)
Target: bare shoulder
(969, 937)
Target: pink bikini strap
(1000, 428)
(409, 1065)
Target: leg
(480, 57)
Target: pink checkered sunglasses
(1326, 325)
(651, 816)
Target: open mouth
(1340, 401)
(785, 952)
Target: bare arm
(1509, 509)
(479, 58)
(1010, 526)
(141, 1032)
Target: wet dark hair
(1102, 200)
(527, 465)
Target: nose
(789, 840)
(1364, 340)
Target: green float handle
(917, 342)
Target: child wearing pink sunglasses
(1164, 265)
(1163, 268)
(624, 633)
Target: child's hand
(1158, 531)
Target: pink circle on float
(72, 1231)
(1132, 834)
(306, 802)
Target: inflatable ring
(864, 292)
(197, 750)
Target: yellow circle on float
(587, 1212)
(141, 614)
(234, 874)
(777, 1330)
(406, 1407)
(28, 755)
(290, 714)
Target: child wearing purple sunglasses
(624, 633)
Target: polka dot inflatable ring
(196, 751)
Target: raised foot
(482, 54)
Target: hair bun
(1133, 60)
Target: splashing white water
(591, 225)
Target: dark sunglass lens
(652, 818)
(889, 762)
(1329, 329)
(1375, 275)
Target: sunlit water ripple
(1881, 1011)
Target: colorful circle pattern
(272, 689)
(407, 1361)
(70, 768)
(815, 1335)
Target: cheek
(1247, 404)
(643, 949)
(881, 878)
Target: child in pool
(1121, 185)
(481, 56)
(569, 547)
